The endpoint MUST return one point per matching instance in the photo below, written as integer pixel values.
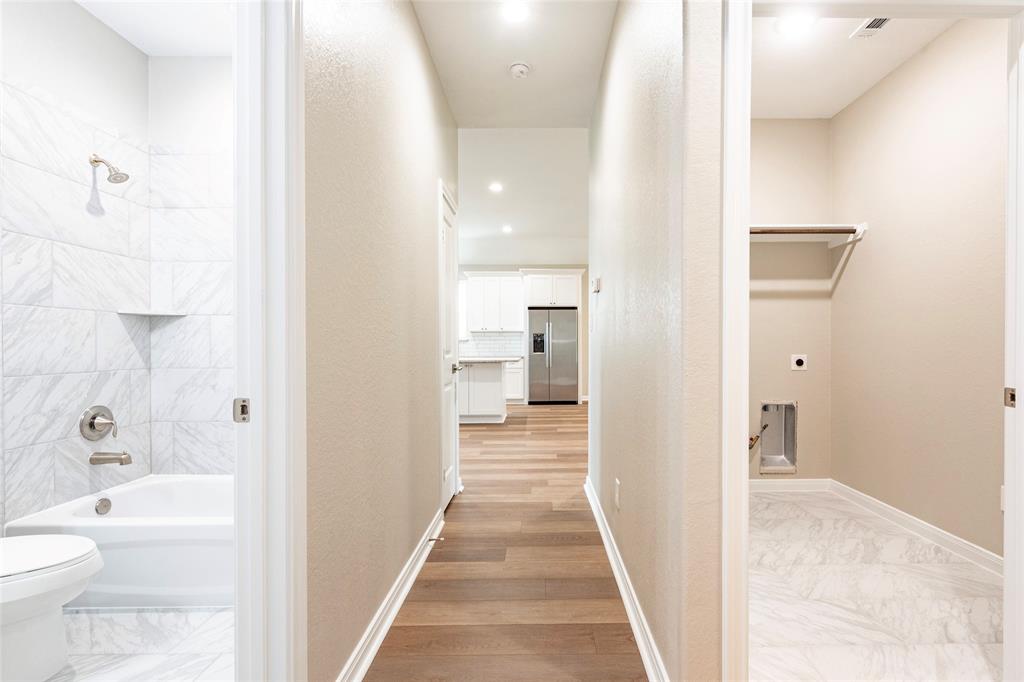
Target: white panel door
(492, 304)
(566, 291)
(540, 290)
(512, 312)
(448, 314)
(475, 304)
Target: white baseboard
(768, 485)
(584, 399)
(653, 664)
(359, 662)
(953, 543)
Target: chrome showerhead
(114, 174)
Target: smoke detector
(869, 27)
(519, 70)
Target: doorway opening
(878, 239)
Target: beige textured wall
(917, 318)
(655, 345)
(380, 134)
(791, 169)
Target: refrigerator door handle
(547, 344)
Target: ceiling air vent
(869, 27)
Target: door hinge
(1010, 397)
(241, 410)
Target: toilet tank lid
(22, 554)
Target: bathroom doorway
(826, 506)
(121, 333)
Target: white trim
(779, 485)
(1013, 429)
(953, 543)
(737, 46)
(359, 662)
(649, 653)
(270, 475)
(584, 399)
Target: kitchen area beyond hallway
(521, 586)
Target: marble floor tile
(839, 593)
(116, 645)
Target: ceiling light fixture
(495, 187)
(796, 25)
(507, 229)
(515, 11)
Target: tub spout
(121, 458)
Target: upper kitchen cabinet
(494, 303)
(557, 290)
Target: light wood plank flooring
(521, 587)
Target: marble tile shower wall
(75, 249)
(192, 358)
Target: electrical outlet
(798, 363)
(618, 486)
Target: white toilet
(39, 574)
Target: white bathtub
(167, 541)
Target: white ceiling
(170, 28)
(544, 174)
(819, 74)
(564, 42)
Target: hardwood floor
(521, 588)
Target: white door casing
(448, 316)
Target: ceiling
(818, 74)
(170, 28)
(544, 176)
(472, 45)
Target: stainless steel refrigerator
(553, 357)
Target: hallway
(521, 587)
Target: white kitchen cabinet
(514, 375)
(475, 304)
(552, 290)
(492, 304)
(495, 303)
(482, 393)
(511, 311)
(566, 291)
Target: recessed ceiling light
(506, 229)
(515, 11)
(495, 187)
(519, 70)
(795, 25)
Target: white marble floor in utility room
(149, 644)
(840, 593)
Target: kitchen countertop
(470, 361)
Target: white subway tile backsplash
(27, 270)
(482, 345)
(48, 340)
